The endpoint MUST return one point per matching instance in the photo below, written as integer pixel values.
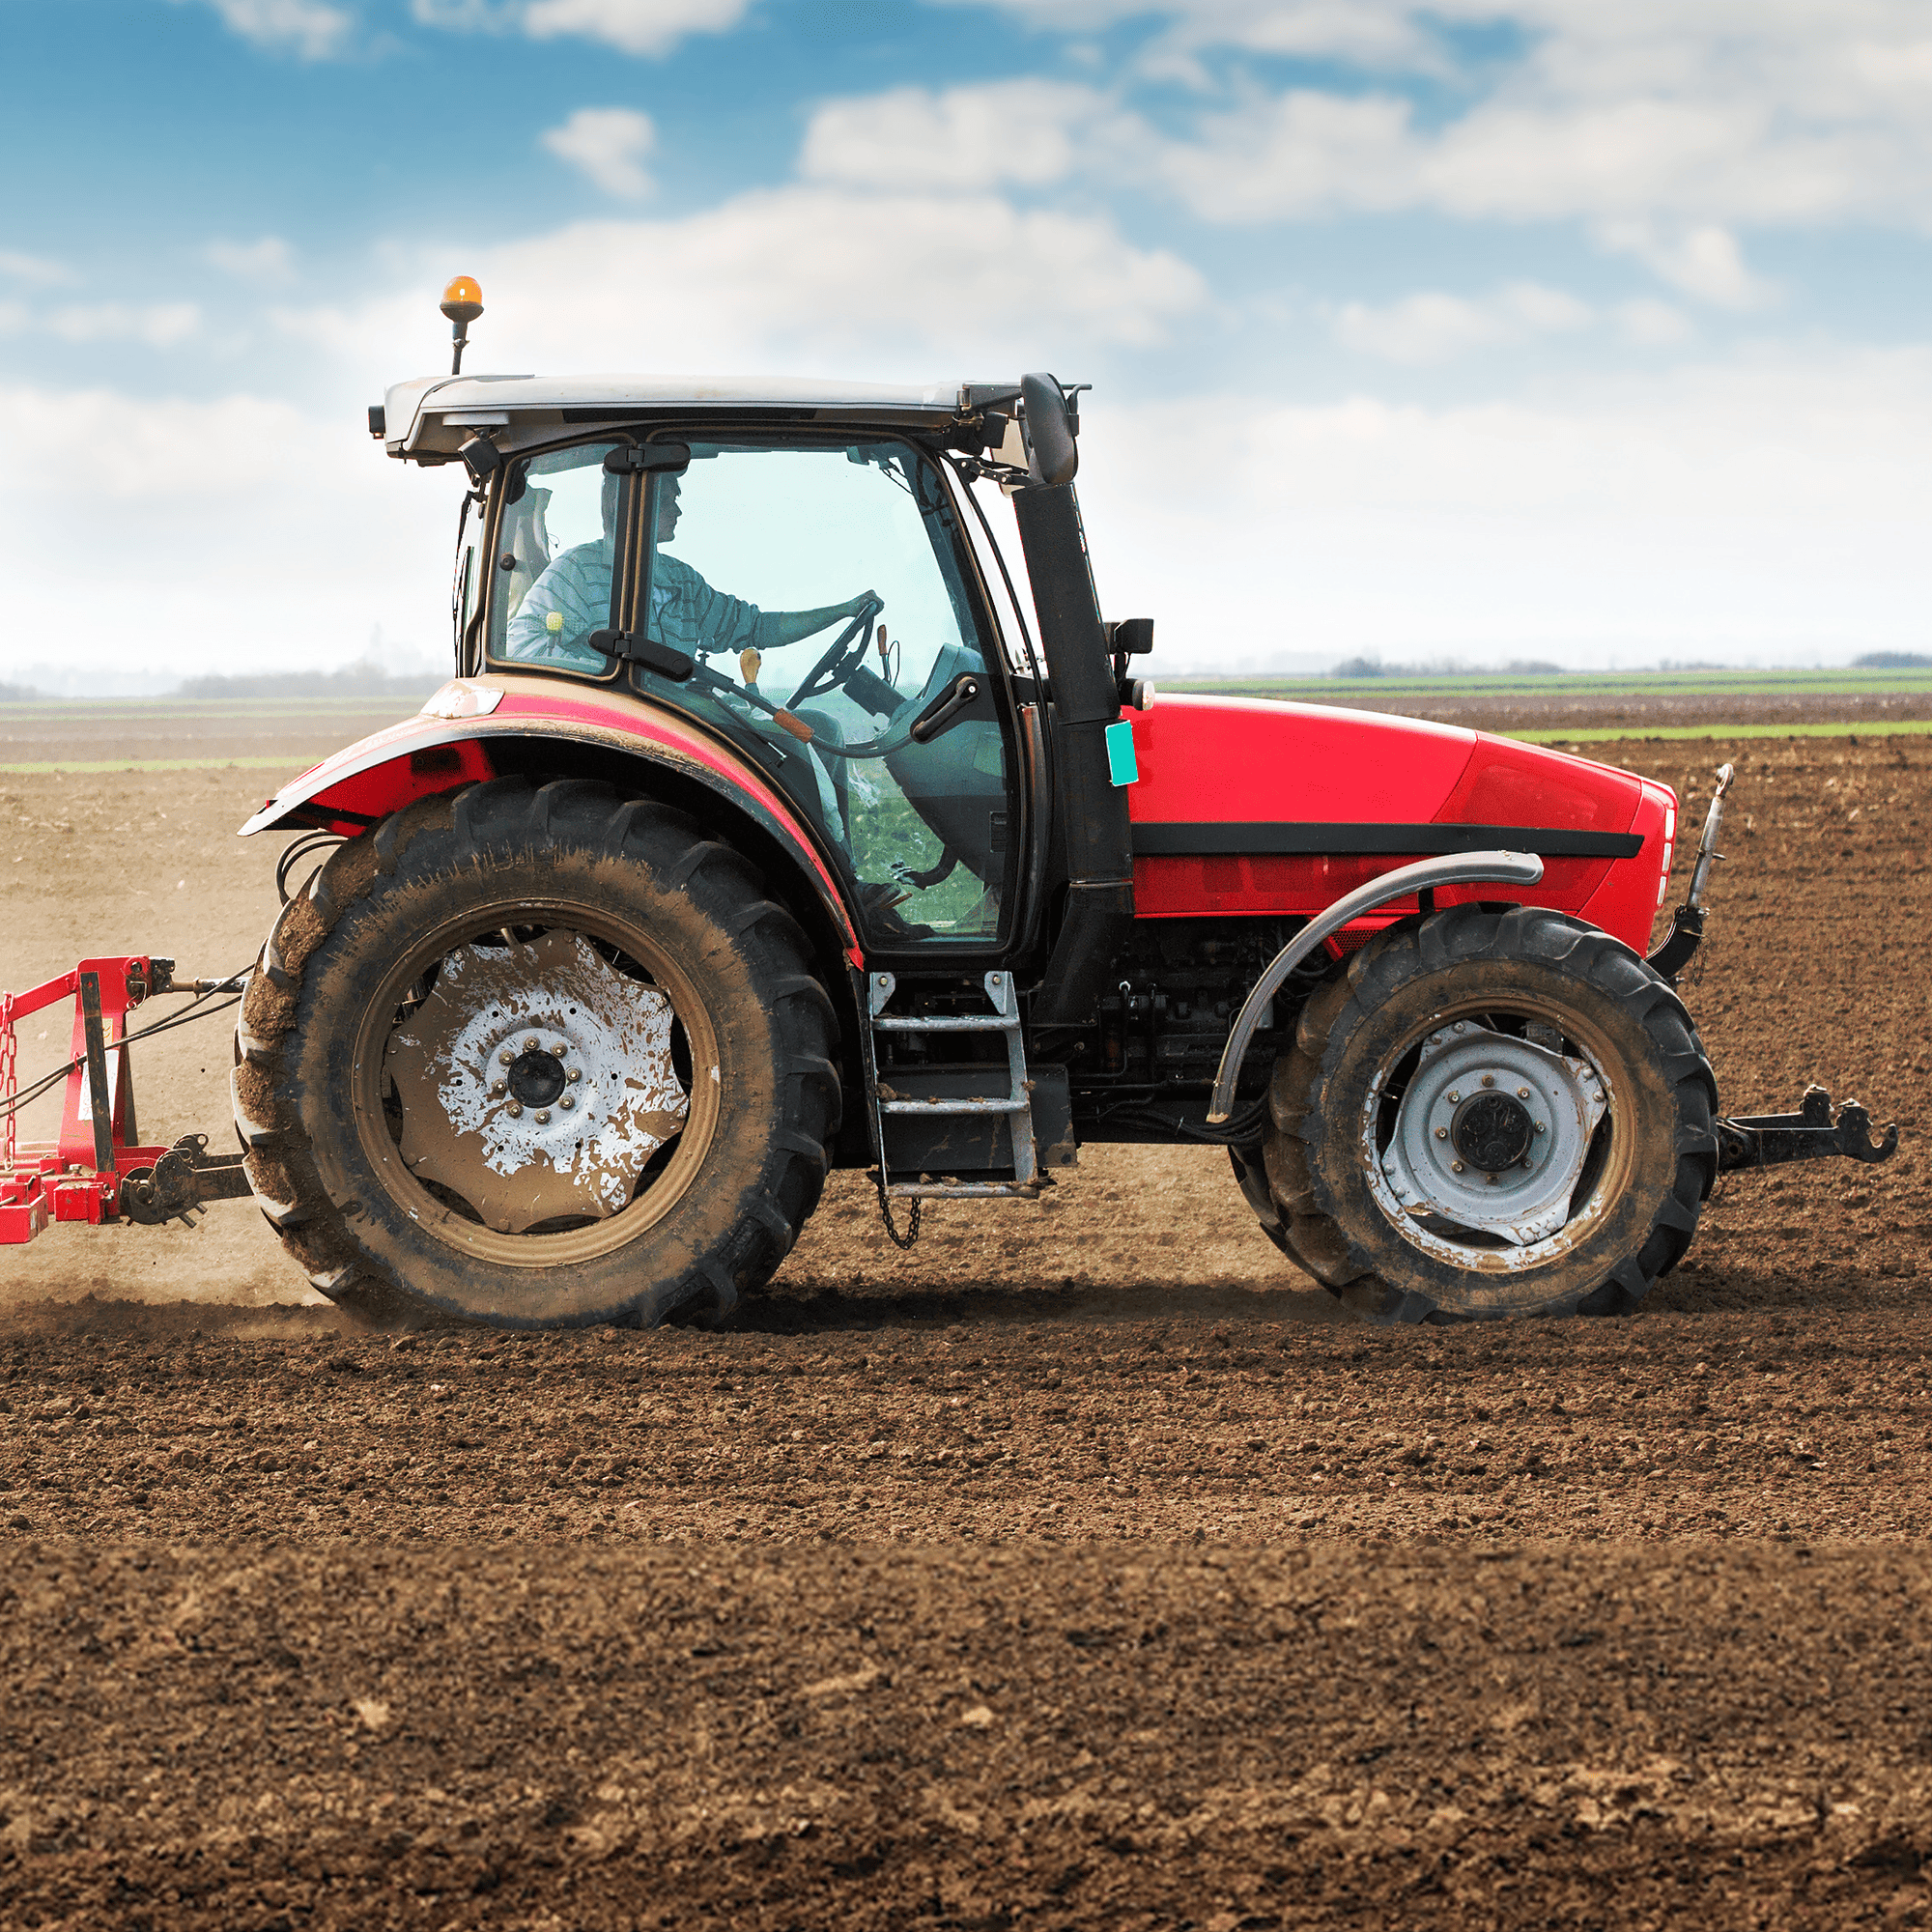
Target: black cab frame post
(1090, 809)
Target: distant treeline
(1443, 668)
(16, 694)
(356, 680)
(1892, 661)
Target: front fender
(449, 743)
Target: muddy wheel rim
(1494, 1139)
(473, 1043)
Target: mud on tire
(1646, 1170)
(720, 1201)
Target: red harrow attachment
(96, 1171)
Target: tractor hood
(1245, 805)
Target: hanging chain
(911, 1233)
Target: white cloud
(1431, 326)
(608, 145)
(649, 27)
(160, 324)
(214, 517)
(268, 260)
(1649, 323)
(308, 27)
(1772, 506)
(1694, 112)
(800, 280)
(1024, 132)
(35, 270)
(1704, 262)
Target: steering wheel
(847, 653)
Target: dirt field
(1079, 1569)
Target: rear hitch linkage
(1770, 1140)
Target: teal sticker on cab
(1122, 767)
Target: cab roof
(429, 418)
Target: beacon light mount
(462, 303)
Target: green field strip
(86, 767)
(1846, 727)
(1652, 684)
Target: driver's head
(668, 508)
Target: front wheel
(537, 1057)
(1491, 1113)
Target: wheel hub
(536, 1081)
(1493, 1131)
(537, 1078)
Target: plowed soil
(1079, 1569)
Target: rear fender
(478, 728)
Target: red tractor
(793, 807)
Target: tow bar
(96, 1169)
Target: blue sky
(1529, 327)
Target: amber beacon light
(462, 303)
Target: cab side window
(824, 598)
(559, 534)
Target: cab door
(831, 605)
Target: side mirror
(628, 459)
(1054, 455)
(480, 456)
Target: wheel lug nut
(1489, 1079)
(1539, 1127)
(1441, 1133)
(533, 1045)
(1453, 1095)
(575, 1073)
(1456, 1167)
(567, 1102)
(1522, 1092)
(543, 1116)
(504, 1058)
(515, 1110)
(498, 1088)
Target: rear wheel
(537, 1057)
(1491, 1113)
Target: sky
(1596, 331)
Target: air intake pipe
(1091, 809)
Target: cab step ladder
(1027, 1180)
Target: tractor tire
(537, 1057)
(1494, 1112)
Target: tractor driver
(572, 599)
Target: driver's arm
(790, 627)
(689, 614)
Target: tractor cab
(807, 577)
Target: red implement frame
(76, 1177)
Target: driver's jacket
(686, 612)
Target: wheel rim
(536, 1085)
(1492, 1139)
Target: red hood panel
(1246, 759)
(1219, 764)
